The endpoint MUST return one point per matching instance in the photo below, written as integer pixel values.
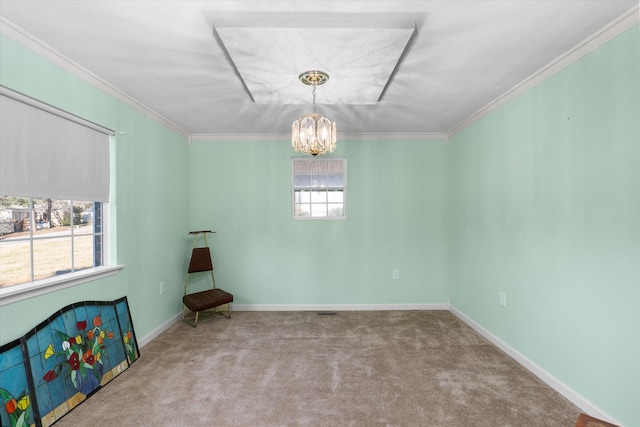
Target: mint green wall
(150, 199)
(396, 218)
(545, 206)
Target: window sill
(25, 291)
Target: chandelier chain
(314, 99)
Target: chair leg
(222, 313)
(197, 313)
(184, 317)
(196, 322)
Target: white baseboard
(582, 403)
(298, 307)
(336, 307)
(160, 329)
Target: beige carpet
(382, 368)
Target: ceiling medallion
(313, 134)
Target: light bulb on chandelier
(313, 134)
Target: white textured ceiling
(220, 67)
(358, 56)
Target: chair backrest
(200, 260)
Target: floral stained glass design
(17, 410)
(65, 359)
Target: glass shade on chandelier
(313, 134)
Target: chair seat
(203, 301)
(206, 299)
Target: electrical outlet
(395, 274)
(162, 288)
(503, 299)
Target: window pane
(318, 196)
(302, 210)
(15, 261)
(51, 256)
(335, 180)
(336, 209)
(58, 210)
(98, 242)
(302, 196)
(82, 252)
(319, 210)
(40, 215)
(82, 218)
(335, 196)
(319, 181)
(98, 248)
(97, 217)
(302, 180)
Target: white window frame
(295, 188)
(23, 291)
(16, 293)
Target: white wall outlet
(503, 299)
(162, 289)
(395, 274)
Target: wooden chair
(204, 300)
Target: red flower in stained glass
(49, 376)
(81, 325)
(74, 361)
(11, 406)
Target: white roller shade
(46, 152)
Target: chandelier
(313, 134)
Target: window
(319, 188)
(42, 238)
(50, 161)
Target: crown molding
(408, 136)
(238, 136)
(19, 35)
(440, 136)
(608, 33)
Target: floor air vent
(327, 313)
